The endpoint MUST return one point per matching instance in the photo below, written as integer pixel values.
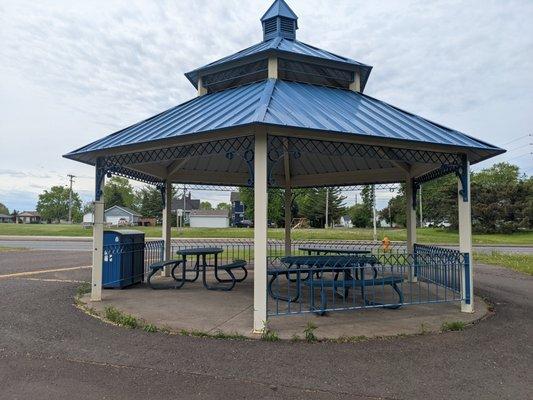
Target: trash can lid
(126, 232)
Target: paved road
(50, 350)
(65, 245)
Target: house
(118, 215)
(5, 219)
(29, 217)
(209, 219)
(237, 208)
(190, 205)
(346, 221)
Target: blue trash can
(123, 259)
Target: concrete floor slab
(194, 308)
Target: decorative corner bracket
(274, 157)
(163, 190)
(462, 174)
(248, 157)
(416, 187)
(101, 173)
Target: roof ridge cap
(264, 101)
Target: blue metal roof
(289, 104)
(282, 46)
(279, 9)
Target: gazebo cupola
(280, 56)
(279, 21)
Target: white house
(209, 219)
(116, 215)
(346, 221)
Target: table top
(199, 251)
(327, 261)
(324, 249)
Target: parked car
(245, 223)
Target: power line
(520, 156)
(517, 139)
(519, 147)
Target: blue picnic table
(315, 268)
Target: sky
(74, 71)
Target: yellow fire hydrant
(386, 244)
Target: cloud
(72, 72)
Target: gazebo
(286, 114)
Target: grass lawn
(425, 235)
(10, 249)
(518, 262)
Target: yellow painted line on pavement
(42, 271)
(51, 280)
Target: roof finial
(279, 21)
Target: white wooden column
(201, 89)
(410, 222)
(272, 68)
(260, 231)
(98, 239)
(167, 226)
(465, 242)
(288, 199)
(288, 220)
(356, 84)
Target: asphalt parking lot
(51, 350)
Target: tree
(275, 204)
(118, 191)
(362, 214)
(359, 215)
(149, 202)
(502, 200)
(205, 205)
(312, 205)
(4, 209)
(394, 213)
(499, 199)
(53, 204)
(88, 208)
(224, 206)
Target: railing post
(167, 225)
(260, 231)
(410, 191)
(465, 237)
(98, 233)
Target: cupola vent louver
(279, 21)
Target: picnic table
(337, 265)
(200, 267)
(319, 249)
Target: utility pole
(374, 212)
(327, 207)
(184, 205)
(71, 178)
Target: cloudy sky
(74, 71)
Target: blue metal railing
(439, 265)
(379, 280)
(382, 278)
